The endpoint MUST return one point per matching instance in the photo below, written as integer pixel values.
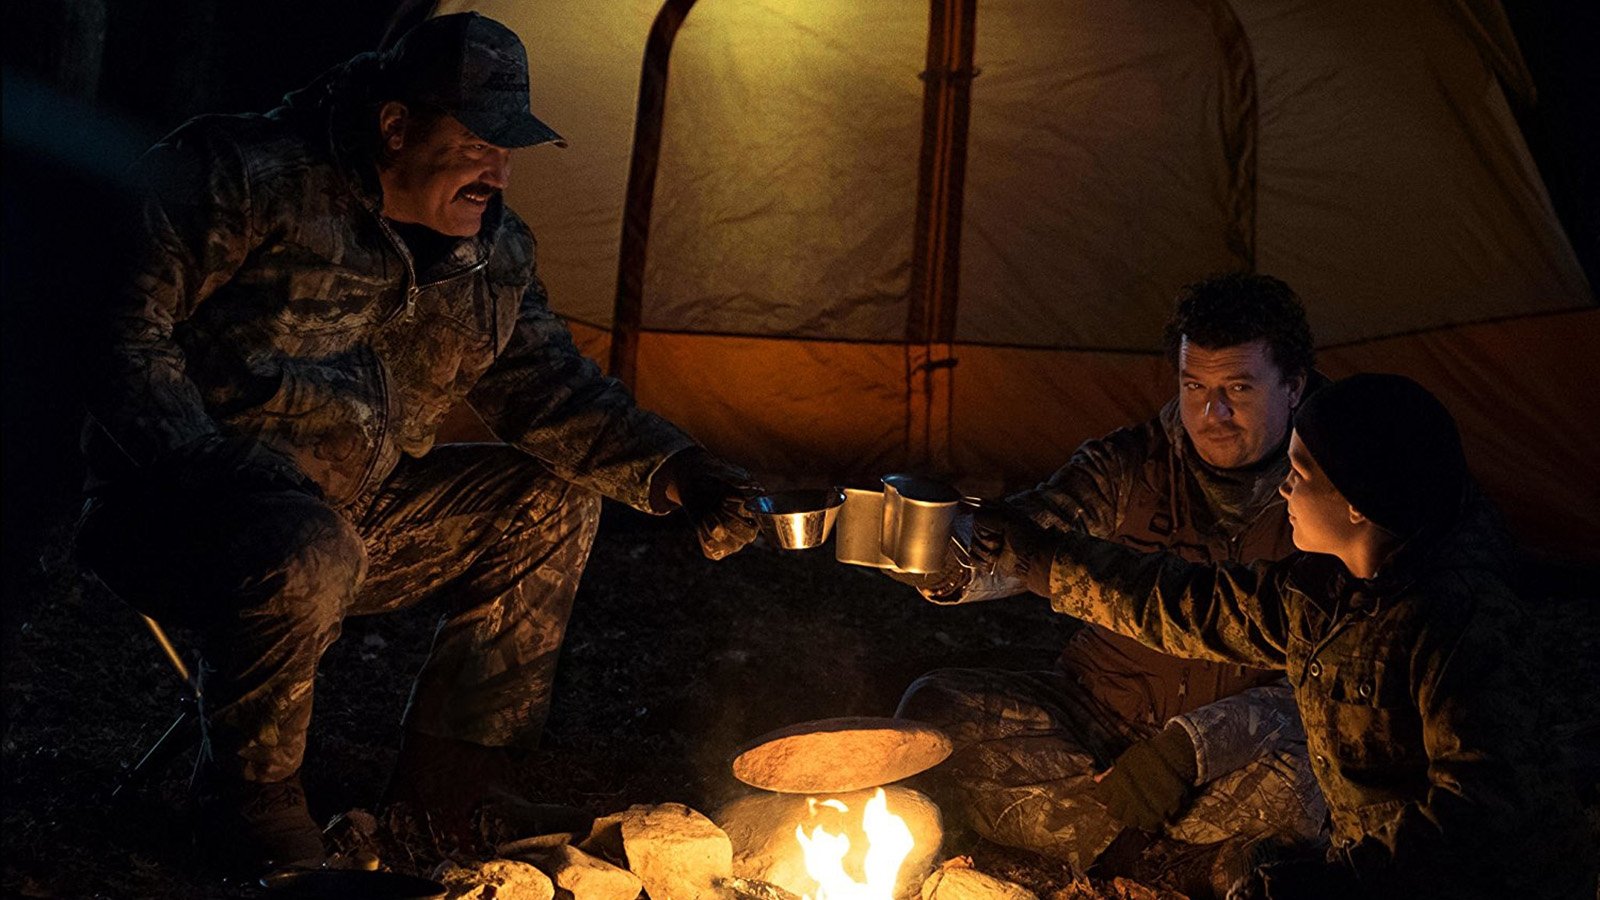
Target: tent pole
(936, 247)
(628, 308)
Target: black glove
(233, 463)
(713, 491)
(1008, 544)
(1150, 782)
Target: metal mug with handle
(917, 517)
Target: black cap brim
(525, 130)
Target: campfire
(885, 842)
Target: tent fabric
(788, 171)
(1365, 152)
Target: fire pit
(827, 824)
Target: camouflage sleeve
(1486, 810)
(1082, 495)
(1238, 730)
(1223, 612)
(544, 396)
(192, 233)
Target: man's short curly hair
(1239, 307)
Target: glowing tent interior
(836, 238)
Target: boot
(248, 827)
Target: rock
(585, 877)
(529, 846)
(678, 853)
(605, 839)
(496, 879)
(761, 827)
(955, 883)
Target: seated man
(1406, 650)
(1209, 751)
(316, 288)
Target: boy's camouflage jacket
(1413, 686)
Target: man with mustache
(315, 289)
(1199, 753)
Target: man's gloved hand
(1008, 544)
(1150, 782)
(236, 463)
(943, 586)
(713, 491)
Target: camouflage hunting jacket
(1414, 687)
(269, 299)
(1142, 487)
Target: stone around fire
(953, 883)
(496, 879)
(678, 853)
(585, 877)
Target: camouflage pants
(1028, 744)
(266, 579)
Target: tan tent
(835, 238)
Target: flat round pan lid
(833, 756)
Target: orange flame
(889, 841)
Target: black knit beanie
(1389, 446)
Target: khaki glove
(1008, 544)
(1151, 781)
(713, 491)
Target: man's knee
(280, 553)
(1276, 794)
(557, 516)
(310, 568)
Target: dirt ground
(671, 662)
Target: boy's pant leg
(1026, 748)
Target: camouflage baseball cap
(475, 69)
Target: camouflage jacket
(1414, 688)
(1141, 487)
(270, 299)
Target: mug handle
(963, 551)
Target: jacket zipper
(462, 272)
(399, 246)
(413, 286)
(404, 312)
(383, 425)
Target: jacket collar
(1475, 539)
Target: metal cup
(859, 539)
(917, 516)
(798, 519)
